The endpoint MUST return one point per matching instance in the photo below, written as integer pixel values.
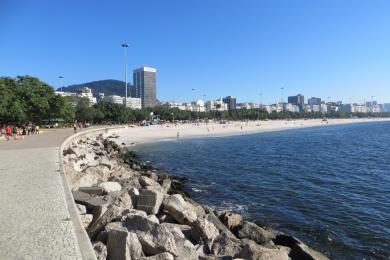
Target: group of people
(15, 131)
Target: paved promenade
(35, 223)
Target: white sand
(135, 134)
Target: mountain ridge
(106, 86)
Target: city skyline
(235, 49)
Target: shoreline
(129, 208)
(134, 135)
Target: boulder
(185, 249)
(166, 185)
(202, 229)
(252, 231)
(302, 251)
(119, 198)
(225, 245)
(149, 201)
(153, 218)
(100, 250)
(154, 238)
(123, 245)
(232, 221)
(99, 172)
(253, 251)
(92, 190)
(81, 208)
(110, 186)
(162, 256)
(126, 183)
(86, 219)
(112, 213)
(182, 211)
(78, 151)
(87, 200)
(148, 182)
(109, 164)
(219, 225)
(165, 218)
(134, 194)
(216, 257)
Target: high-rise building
(298, 100)
(144, 81)
(230, 101)
(314, 101)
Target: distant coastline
(134, 135)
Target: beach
(133, 135)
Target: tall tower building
(144, 81)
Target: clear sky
(326, 48)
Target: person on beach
(8, 132)
(177, 135)
(75, 128)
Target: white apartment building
(133, 103)
(87, 92)
(216, 105)
(113, 99)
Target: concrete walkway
(35, 222)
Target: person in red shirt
(8, 132)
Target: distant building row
(142, 92)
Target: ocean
(329, 186)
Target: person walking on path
(8, 132)
(15, 132)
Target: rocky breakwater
(132, 211)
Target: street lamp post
(258, 112)
(125, 46)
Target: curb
(85, 246)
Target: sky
(325, 48)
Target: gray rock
(202, 229)
(153, 218)
(302, 251)
(134, 194)
(112, 213)
(127, 183)
(165, 218)
(92, 190)
(182, 211)
(162, 256)
(99, 172)
(216, 257)
(110, 186)
(148, 182)
(232, 221)
(225, 245)
(78, 151)
(82, 209)
(149, 201)
(109, 164)
(154, 238)
(123, 245)
(251, 231)
(166, 185)
(119, 198)
(219, 225)
(86, 219)
(254, 251)
(85, 199)
(100, 250)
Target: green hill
(108, 87)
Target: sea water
(329, 186)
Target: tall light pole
(125, 46)
(258, 112)
(61, 82)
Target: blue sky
(326, 48)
